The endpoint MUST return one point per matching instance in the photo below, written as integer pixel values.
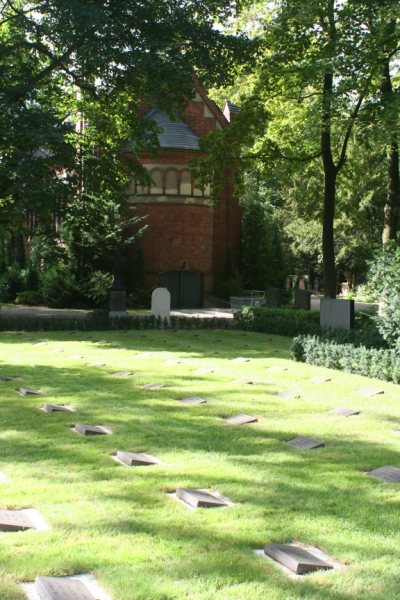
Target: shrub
(59, 288)
(96, 288)
(382, 363)
(292, 322)
(11, 282)
(30, 297)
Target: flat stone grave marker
(152, 386)
(194, 400)
(62, 588)
(243, 381)
(240, 359)
(57, 351)
(305, 443)
(216, 352)
(368, 392)
(40, 344)
(136, 459)
(143, 355)
(123, 373)
(172, 363)
(51, 408)
(320, 379)
(296, 559)
(96, 364)
(8, 378)
(200, 498)
(344, 412)
(204, 371)
(28, 391)
(388, 474)
(75, 357)
(83, 429)
(277, 369)
(241, 419)
(15, 520)
(287, 395)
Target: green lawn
(118, 522)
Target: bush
(59, 288)
(11, 282)
(382, 363)
(386, 279)
(30, 298)
(96, 288)
(292, 322)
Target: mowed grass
(119, 523)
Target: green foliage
(292, 322)
(60, 288)
(385, 278)
(11, 282)
(29, 297)
(370, 362)
(96, 288)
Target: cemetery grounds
(119, 523)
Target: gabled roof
(175, 133)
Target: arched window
(157, 181)
(197, 191)
(207, 191)
(171, 182)
(186, 183)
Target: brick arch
(185, 178)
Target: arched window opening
(157, 182)
(186, 184)
(171, 182)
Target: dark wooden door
(185, 287)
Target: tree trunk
(392, 206)
(330, 173)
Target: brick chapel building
(189, 239)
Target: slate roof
(233, 108)
(175, 134)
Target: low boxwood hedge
(382, 363)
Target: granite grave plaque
(62, 588)
(320, 379)
(277, 369)
(199, 498)
(305, 443)
(240, 359)
(193, 400)
(152, 386)
(123, 373)
(28, 391)
(91, 429)
(241, 419)
(388, 474)
(344, 412)
(15, 520)
(368, 392)
(6, 378)
(296, 559)
(287, 395)
(50, 408)
(133, 459)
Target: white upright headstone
(161, 303)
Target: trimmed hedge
(382, 363)
(292, 322)
(101, 321)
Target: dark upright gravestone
(273, 298)
(302, 299)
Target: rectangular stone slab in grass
(320, 379)
(152, 386)
(241, 419)
(51, 408)
(277, 369)
(199, 498)
(368, 392)
(344, 412)
(387, 473)
(7, 378)
(28, 391)
(305, 443)
(83, 429)
(15, 520)
(296, 559)
(61, 588)
(287, 395)
(123, 373)
(133, 459)
(204, 371)
(240, 359)
(194, 400)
